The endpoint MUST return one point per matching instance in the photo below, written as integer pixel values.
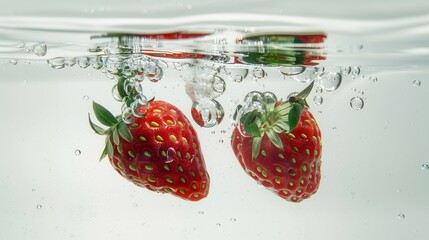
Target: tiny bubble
(425, 167)
(401, 216)
(85, 98)
(77, 152)
(218, 224)
(135, 205)
(373, 79)
(33, 189)
(13, 61)
(201, 212)
(220, 140)
(39, 206)
(233, 220)
(417, 83)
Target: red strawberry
(159, 151)
(281, 147)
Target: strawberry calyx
(117, 128)
(275, 118)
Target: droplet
(330, 81)
(39, 206)
(425, 167)
(13, 61)
(77, 152)
(345, 70)
(171, 153)
(85, 98)
(40, 49)
(83, 62)
(290, 71)
(258, 73)
(373, 79)
(355, 71)
(207, 112)
(357, 103)
(218, 85)
(57, 63)
(401, 216)
(318, 100)
(417, 83)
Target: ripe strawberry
(159, 151)
(281, 147)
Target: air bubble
(177, 66)
(373, 79)
(85, 98)
(355, 71)
(77, 152)
(70, 62)
(254, 96)
(218, 85)
(269, 97)
(425, 167)
(218, 224)
(201, 212)
(97, 62)
(233, 219)
(417, 83)
(127, 115)
(345, 70)
(290, 71)
(40, 49)
(207, 112)
(57, 63)
(237, 74)
(330, 81)
(401, 216)
(140, 106)
(319, 90)
(39, 206)
(258, 73)
(153, 72)
(83, 62)
(13, 61)
(307, 76)
(357, 103)
(20, 45)
(318, 100)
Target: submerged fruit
(159, 151)
(280, 147)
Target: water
(369, 100)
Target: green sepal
(104, 153)
(109, 146)
(304, 93)
(121, 88)
(251, 122)
(256, 146)
(97, 129)
(124, 132)
(274, 138)
(115, 136)
(295, 115)
(103, 115)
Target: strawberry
(279, 145)
(159, 151)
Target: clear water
(375, 167)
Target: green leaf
(121, 87)
(274, 138)
(109, 147)
(96, 128)
(256, 147)
(304, 93)
(124, 132)
(103, 115)
(295, 115)
(250, 123)
(115, 136)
